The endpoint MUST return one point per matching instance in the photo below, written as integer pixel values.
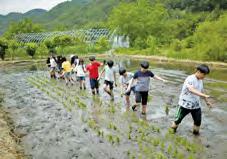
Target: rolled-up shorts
(142, 96)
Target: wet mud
(55, 121)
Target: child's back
(80, 69)
(143, 80)
(93, 69)
(109, 73)
(66, 66)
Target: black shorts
(142, 96)
(109, 83)
(182, 112)
(94, 83)
(131, 90)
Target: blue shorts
(94, 83)
(82, 78)
(67, 74)
(131, 90)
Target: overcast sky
(23, 6)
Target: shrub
(3, 47)
(31, 49)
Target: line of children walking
(139, 84)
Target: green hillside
(66, 15)
(16, 17)
(182, 29)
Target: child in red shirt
(93, 69)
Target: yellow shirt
(66, 66)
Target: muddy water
(52, 125)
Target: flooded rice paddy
(59, 122)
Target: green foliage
(49, 44)
(207, 43)
(63, 40)
(102, 44)
(3, 47)
(198, 5)
(139, 20)
(13, 46)
(42, 50)
(31, 49)
(24, 26)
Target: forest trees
(3, 47)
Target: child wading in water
(142, 87)
(53, 67)
(80, 70)
(66, 66)
(189, 101)
(93, 69)
(124, 80)
(110, 78)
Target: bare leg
(134, 107)
(144, 109)
(66, 81)
(106, 89)
(70, 80)
(93, 91)
(174, 126)
(80, 84)
(196, 130)
(127, 102)
(83, 84)
(97, 90)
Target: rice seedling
(156, 142)
(158, 130)
(110, 138)
(130, 128)
(140, 130)
(129, 136)
(160, 155)
(128, 153)
(169, 149)
(92, 123)
(110, 126)
(111, 109)
(81, 105)
(117, 139)
(180, 155)
(133, 156)
(115, 127)
(175, 153)
(140, 156)
(162, 146)
(167, 109)
(191, 156)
